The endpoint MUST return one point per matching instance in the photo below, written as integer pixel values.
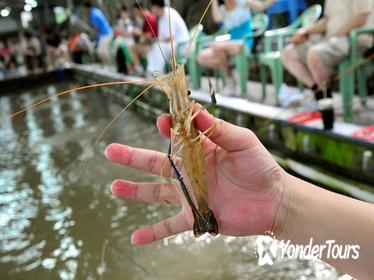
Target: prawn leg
(213, 101)
(212, 94)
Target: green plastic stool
(271, 59)
(351, 69)
(273, 62)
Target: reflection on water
(55, 227)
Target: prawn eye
(188, 92)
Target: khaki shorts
(103, 48)
(331, 52)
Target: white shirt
(33, 45)
(179, 30)
(237, 16)
(338, 12)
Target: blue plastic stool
(292, 7)
(295, 6)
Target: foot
(289, 97)
(321, 94)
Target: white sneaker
(309, 103)
(289, 97)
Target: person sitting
(145, 34)
(179, 36)
(317, 51)
(235, 16)
(104, 31)
(32, 51)
(79, 45)
(124, 42)
(8, 58)
(57, 53)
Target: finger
(164, 123)
(226, 135)
(142, 159)
(147, 192)
(168, 227)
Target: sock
(329, 92)
(314, 87)
(319, 94)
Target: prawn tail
(210, 225)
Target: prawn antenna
(130, 258)
(48, 99)
(174, 62)
(197, 28)
(153, 32)
(102, 267)
(101, 134)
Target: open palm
(244, 182)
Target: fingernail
(158, 121)
(112, 187)
(133, 241)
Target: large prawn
(186, 140)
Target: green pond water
(54, 227)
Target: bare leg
(221, 56)
(135, 55)
(217, 56)
(105, 58)
(318, 69)
(207, 58)
(292, 63)
(50, 57)
(224, 50)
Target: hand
(300, 36)
(245, 184)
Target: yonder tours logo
(269, 249)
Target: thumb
(226, 135)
